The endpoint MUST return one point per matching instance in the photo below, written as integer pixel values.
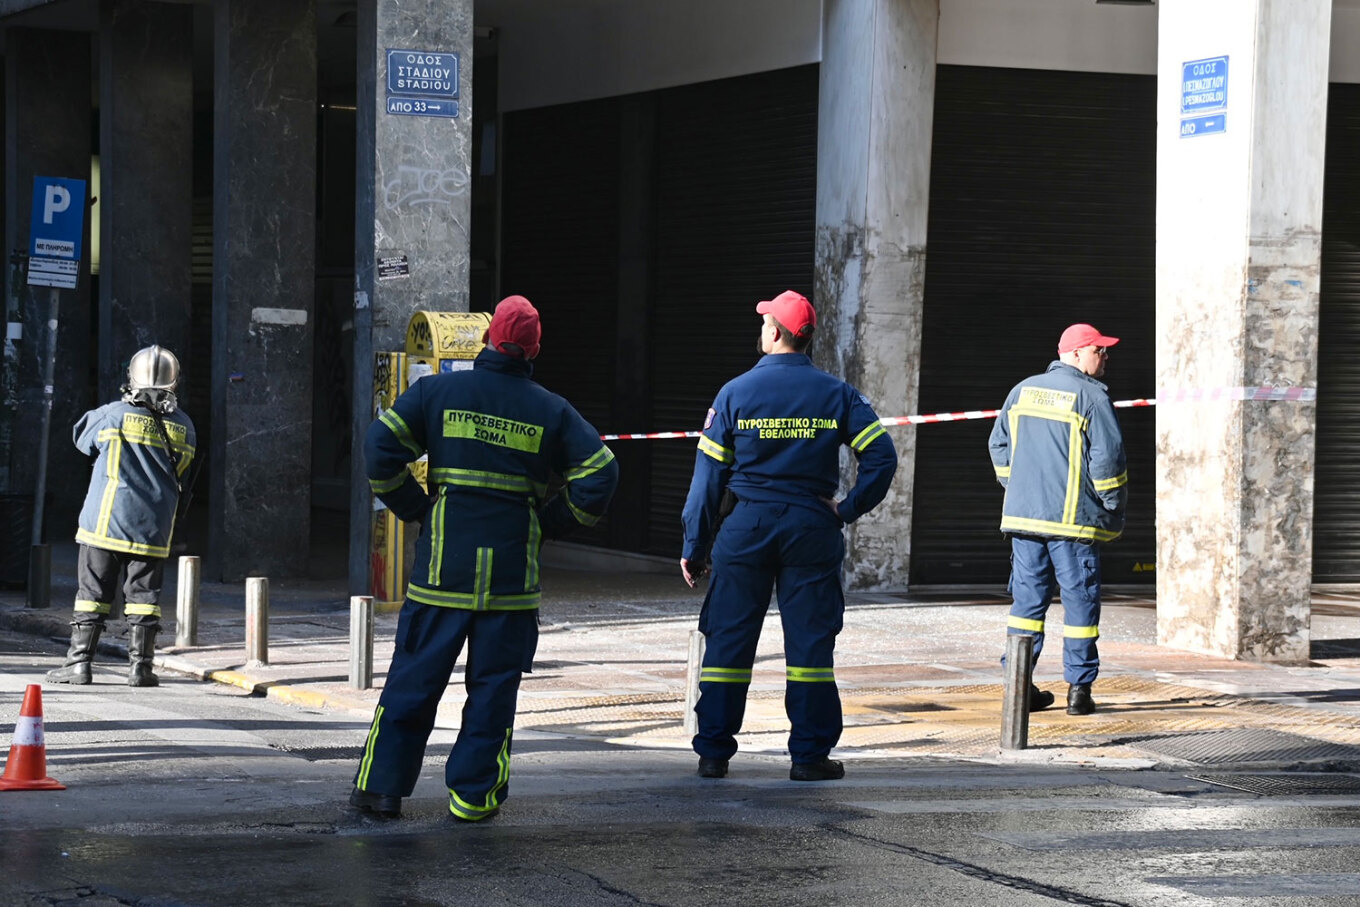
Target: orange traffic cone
(26, 768)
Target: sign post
(56, 232)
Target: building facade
(951, 181)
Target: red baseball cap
(792, 310)
(1080, 335)
(515, 324)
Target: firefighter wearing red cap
(769, 464)
(1058, 451)
(494, 439)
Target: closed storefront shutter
(1336, 504)
(1042, 213)
(734, 196)
(560, 241)
(736, 165)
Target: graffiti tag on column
(424, 186)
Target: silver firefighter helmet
(153, 367)
(153, 374)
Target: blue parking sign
(58, 224)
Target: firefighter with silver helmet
(144, 445)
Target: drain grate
(435, 754)
(1245, 745)
(1285, 785)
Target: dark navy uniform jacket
(774, 435)
(133, 494)
(1058, 451)
(494, 438)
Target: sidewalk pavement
(919, 673)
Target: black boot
(1079, 701)
(84, 640)
(384, 806)
(1039, 699)
(141, 651)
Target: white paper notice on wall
(278, 316)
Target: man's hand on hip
(692, 570)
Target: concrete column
(264, 227)
(47, 133)
(874, 125)
(1239, 220)
(146, 169)
(413, 205)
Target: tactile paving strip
(961, 720)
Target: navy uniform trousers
(501, 647)
(1038, 567)
(800, 550)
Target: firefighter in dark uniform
(769, 464)
(494, 439)
(144, 445)
(1058, 451)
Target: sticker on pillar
(392, 267)
(422, 83)
(1204, 97)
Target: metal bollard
(1015, 704)
(186, 603)
(361, 641)
(257, 620)
(692, 670)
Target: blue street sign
(422, 73)
(422, 107)
(1191, 126)
(58, 224)
(1204, 86)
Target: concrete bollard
(1015, 704)
(186, 603)
(361, 641)
(692, 669)
(257, 620)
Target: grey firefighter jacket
(1058, 451)
(133, 494)
(494, 439)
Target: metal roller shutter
(560, 241)
(736, 191)
(1042, 213)
(1336, 502)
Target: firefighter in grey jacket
(144, 445)
(1058, 451)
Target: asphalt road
(199, 794)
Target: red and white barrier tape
(1239, 393)
(1177, 396)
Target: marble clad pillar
(1239, 220)
(47, 133)
(413, 199)
(874, 125)
(264, 228)
(146, 164)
